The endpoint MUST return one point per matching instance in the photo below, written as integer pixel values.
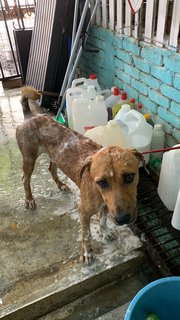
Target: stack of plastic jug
(84, 82)
(128, 129)
(77, 93)
(169, 180)
(88, 113)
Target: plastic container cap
(132, 100)
(123, 95)
(147, 116)
(92, 76)
(139, 106)
(157, 127)
(115, 91)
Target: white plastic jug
(176, 214)
(111, 134)
(169, 180)
(130, 129)
(136, 129)
(87, 113)
(82, 82)
(71, 94)
(77, 93)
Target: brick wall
(147, 73)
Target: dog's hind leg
(53, 171)
(28, 167)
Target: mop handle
(160, 150)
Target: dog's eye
(128, 178)
(102, 183)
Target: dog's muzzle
(122, 219)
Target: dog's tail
(26, 94)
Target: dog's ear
(140, 157)
(86, 164)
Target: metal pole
(21, 15)
(69, 80)
(71, 59)
(1, 69)
(9, 38)
(77, 60)
(75, 21)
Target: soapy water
(11, 184)
(43, 187)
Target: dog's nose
(122, 219)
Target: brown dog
(107, 177)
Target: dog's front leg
(86, 248)
(106, 232)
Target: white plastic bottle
(111, 101)
(123, 100)
(88, 113)
(169, 180)
(157, 141)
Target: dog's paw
(109, 234)
(64, 187)
(30, 204)
(86, 258)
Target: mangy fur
(84, 162)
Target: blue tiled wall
(147, 73)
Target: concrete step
(39, 295)
(39, 266)
(117, 313)
(106, 303)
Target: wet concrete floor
(39, 249)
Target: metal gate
(14, 15)
(153, 226)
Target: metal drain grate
(153, 226)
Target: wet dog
(107, 177)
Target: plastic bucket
(160, 297)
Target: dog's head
(115, 173)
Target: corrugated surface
(40, 44)
(49, 52)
